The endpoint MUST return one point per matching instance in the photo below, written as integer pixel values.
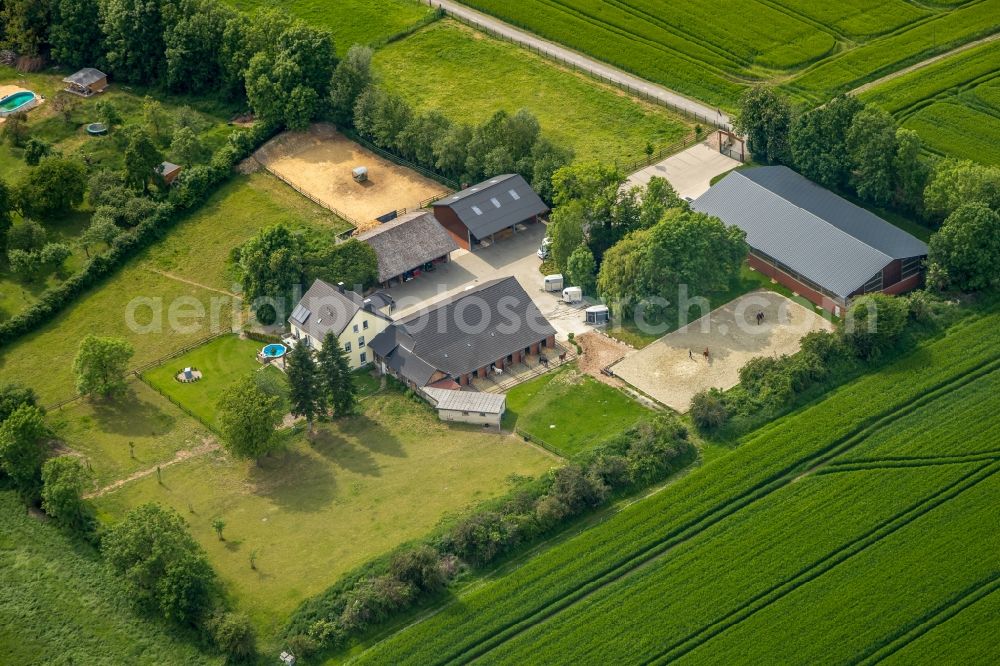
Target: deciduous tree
(271, 263)
(818, 141)
(249, 418)
(871, 142)
(965, 253)
(53, 188)
(100, 366)
(22, 440)
(186, 147)
(955, 183)
(133, 39)
(142, 157)
(765, 118)
(75, 34)
(581, 269)
(352, 75)
(64, 480)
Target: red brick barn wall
(787, 280)
(454, 226)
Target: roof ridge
(814, 216)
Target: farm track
(937, 617)
(593, 66)
(923, 63)
(825, 564)
(697, 525)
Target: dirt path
(922, 64)
(207, 446)
(600, 351)
(579, 61)
(177, 278)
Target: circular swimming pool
(273, 351)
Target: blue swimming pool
(15, 102)
(274, 351)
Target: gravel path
(579, 61)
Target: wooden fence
(342, 215)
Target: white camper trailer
(572, 294)
(553, 282)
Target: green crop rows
(766, 462)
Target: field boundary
(697, 524)
(597, 69)
(344, 216)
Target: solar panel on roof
(301, 313)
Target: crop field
(186, 271)
(710, 52)
(803, 508)
(363, 485)
(369, 22)
(469, 76)
(61, 604)
(954, 104)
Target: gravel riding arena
(675, 367)
(319, 163)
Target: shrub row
(193, 187)
(374, 593)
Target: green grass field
(711, 52)
(363, 486)
(102, 430)
(60, 603)
(569, 411)
(789, 530)
(191, 262)
(954, 104)
(70, 139)
(469, 76)
(223, 362)
(369, 22)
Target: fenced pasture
(804, 541)
(319, 163)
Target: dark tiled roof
(818, 234)
(324, 309)
(495, 204)
(465, 332)
(407, 242)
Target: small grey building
(88, 81)
(476, 407)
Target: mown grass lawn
(196, 250)
(223, 362)
(370, 22)
(569, 411)
(364, 485)
(61, 604)
(469, 76)
(101, 430)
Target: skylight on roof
(477, 210)
(495, 201)
(513, 194)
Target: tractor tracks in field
(695, 526)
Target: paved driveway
(513, 255)
(689, 171)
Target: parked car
(543, 250)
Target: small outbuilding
(88, 81)
(168, 171)
(360, 174)
(476, 407)
(496, 205)
(597, 315)
(408, 245)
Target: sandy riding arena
(674, 368)
(319, 163)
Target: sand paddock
(665, 371)
(319, 163)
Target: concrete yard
(319, 163)
(689, 171)
(674, 368)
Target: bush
(266, 314)
(234, 635)
(874, 324)
(419, 566)
(708, 410)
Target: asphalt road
(569, 57)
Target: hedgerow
(489, 614)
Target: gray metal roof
(495, 204)
(323, 309)
(465, 332)
(818, 234)
(467, 401)
(85, 77)
(408, 242)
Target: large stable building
(813, 241)
(471, 335)
(408, 245)
(478, 213)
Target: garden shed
(86, 82)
